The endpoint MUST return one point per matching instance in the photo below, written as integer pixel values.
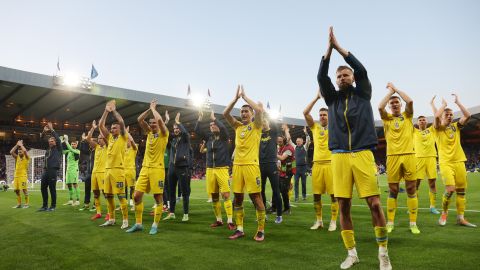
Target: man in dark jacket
(179, 168)
(53, 156)
(218, 163)
(351, 139)
(89, 153)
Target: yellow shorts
(130, 176)
(151, 180)
(322, 179)
(246, 176)
(98, 179)
(114, 181)
(217, 180)
(426, 167)
(350, 168)
(20, 182)
(401, 167)
(454, 174)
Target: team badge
(258, 181)
(397, 125)
(160, 183)
(249, 128)
(242, 135)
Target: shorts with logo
(130, 176)
(401, 167)
(20, 182)
(114, 181)
(72, 176)
(217, 180)
(246, 177)
(454, 174)
(151, 180)
(322, 179)
(426, 167)
(98, 179)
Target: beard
(344, 86)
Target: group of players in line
(343, 139)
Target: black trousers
(284, 187)
(49, 182)
(301, 175)
(165, 188)
(88, 188)
(182, 176)
(270, 171)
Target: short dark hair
(420, 117)
(323, 109)
(393, 97)
(247, 106)
(340, 68)
(448, 109)
(116, 123)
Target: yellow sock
(433, 200)
(446, 201)
(217, 209)
(227, 204)
(412, 203)
(19, 199)
(27, 199)
(381, 235)
(111, 207)
(139, 212)
(261, 220)
(391, 209)
(98, 206)
(461, 202)
(124, 207)
(239, 214)
(318, 209)
(334, 209)
(348, 239)
(158, 213)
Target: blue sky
(272, 47)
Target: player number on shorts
(119, 184)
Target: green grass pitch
(67, 239)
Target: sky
(273, 48)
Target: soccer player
(246, 169)
(401, 162)
(73, 155)
(19, 153)
(301, 153)
(179, 168)
(87, 151)
(322, 178)
(452, 159)
(130, 166)
(114, 183)
(98, 171)
(152, 174)
(351, 139)
(426, 155)
(218, 164)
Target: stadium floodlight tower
(274, 114)
(199, 101)
(71, 79)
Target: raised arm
(383, 103)
(101, 124)
(70, 148)
(132, 141)
(257, 108)
(220, 125)
(437, 122)
(227, 112)
(198, 130)
(308, 109)
(25, 152)
(90, 134)
(158, 118)
(55, 135)
(286, 130)
(141, 120)
(203, 149)
(405, 97)
(466, 114)
(335, 45)
(184, 133)
(327, 88)
(432, 105)
(119, 119)
(13, 152)
(307, 139)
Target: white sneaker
(124, 224)
(318, 224)
(185, 217)
(169, 216)
(154, 206)
(349, 262)
(131, 202)
(132, 208)
(110, 222)
(77, 203)
(384, 262)
(209, 200)
(333, 226)
(69, 203)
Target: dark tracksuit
(179, 168)
(268, 166)
(87, 151)
(53, 157)
(166, 163)
(286, 173)
(300, 174)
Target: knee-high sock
(381, 236)
(70, 193)
(158, 213)
(261, 220)
(98, 206)
(446, 201)
(123, 207)
(139, 212)
(111, 207)
(461, 202)
(334, 209)
(317, 205)
(348, 239)
(27, 199)
(227, 204)
(77, 192)
(412, 203)
(217, 209)
(432, 196)
(391, 208)
(19, 199)
(239, 214)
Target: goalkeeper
(73, 155)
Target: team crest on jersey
(242, 135)
(249, 128)
(396, 124)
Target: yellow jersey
(448, 143)
(247, 144)
(155, 150)
(425, 142)
(130, 156)
(100, 159)
(21, 166)
(399, 134)
(116, 151)
(320, 143)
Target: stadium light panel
(197, 100)
(274, 114)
